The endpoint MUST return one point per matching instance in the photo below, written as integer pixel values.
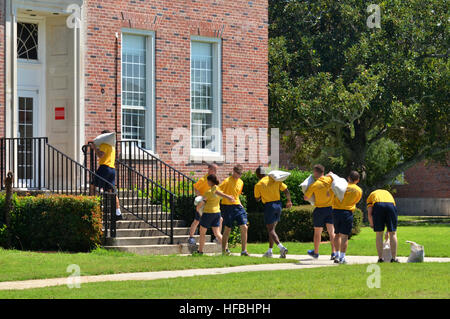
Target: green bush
(295, 225)
(56, 222)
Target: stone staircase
(136, 236)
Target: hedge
(295, 225)
(55, 222)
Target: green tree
(375, 100)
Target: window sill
(199, 157)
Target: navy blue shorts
(322, 216)
(234, 213)
(384, 214)
(209, 220)
(197, 216)
(272, 212)
(108, 174)
(343, 221)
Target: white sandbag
(387, 254)
(417, 254)
(279, 176)
(197, 201)
(339, 186)
(107, 138)
(305, 185)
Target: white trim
(150, 89)
(203, 154)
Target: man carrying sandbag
(268, 190)
(322, 214)
(382, 213)
(106, 153)
(343, 215)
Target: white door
(27, 170)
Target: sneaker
(227, 252)
(342, 261)
(380, 260)
(268, 255)
(197, 253)
(312, 254)
(192, 241)
(119, 217)
(336, 260)
(245, 253)
(334, 256)
(283, 252)
(394, 260)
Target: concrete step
(154, 240)
(165, 249)
(143, 232)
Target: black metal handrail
(131, 153)
(37, 165)
(140, 195)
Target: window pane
(133, 125)
(200, 124)
(134, 69)
(27, 41)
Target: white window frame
(199, 154)
(150, 86)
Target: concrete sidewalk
(303, 262)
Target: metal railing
(37, 165)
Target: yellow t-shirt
(352, 196)
(321, 189)
(379, 196)
(109, 158)
(212, 201)
(202, 185)
(269, 189)
(233, 187)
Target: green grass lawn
(432, 232)
(430, 280)
(19, 265)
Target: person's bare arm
(229, 197)
(200, 205)
(369, 214)
(97, 151)
(288, 196)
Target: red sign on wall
(60, 113)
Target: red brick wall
(243, 27)
(2, 69)
(429, 181)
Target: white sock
(336, 254)
(280, 245)
(342, 256)
(269, 250)
(118, 213)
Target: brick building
(160, 72)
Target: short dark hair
(211, 165)
(319, 168)
(238, 169)
(213, 179)
(354, 176)
(260, 171)
(106, 131)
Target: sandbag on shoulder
(279, 176)
(107, 138)
(305, 185)
(339, 186)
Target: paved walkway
(304, 261)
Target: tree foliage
(375, 100)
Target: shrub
(295, 225)
(56, 222)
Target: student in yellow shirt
(268, 190)
(382, 213)
(106, 159)
(200, 188)
(233, 211)
(322, 214)
(343, 215)
(211, 211)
